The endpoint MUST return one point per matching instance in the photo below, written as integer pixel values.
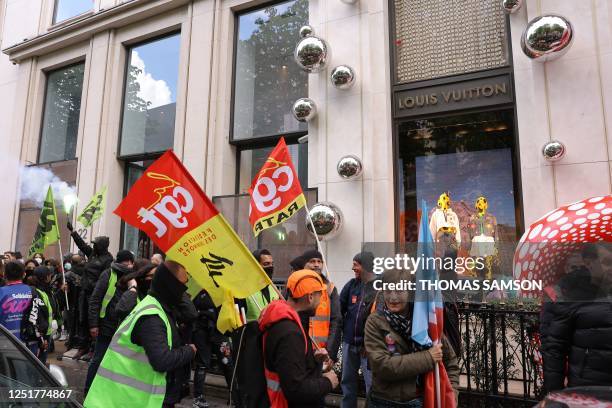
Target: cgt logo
(281, 180)
(168, 209)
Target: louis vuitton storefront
(454, 120)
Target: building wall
(570, 100)
(564, 99)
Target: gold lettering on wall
(452, 95)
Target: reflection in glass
(468, 156)
(285, 241)
(65, 9)
(267, 80)
(251, 161)
(61, 116)
(149, 105)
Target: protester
(98, 260)
(356, 300)
(150, 338)
(74, 270)
(39, 258)
(255, 303)
(396, 361)
(208, 341)
(293, 368)
(157, 259)
(42, 283)
(135, 286)
(9, 256)
(29, 266)
(576, 324)
(102, 319)
(20, 313)
(326, 324)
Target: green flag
(93, 210)
(47, 231)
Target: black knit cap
(365, 259)
(310, 254)
(297, 263)
(124, 255)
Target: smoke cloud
(35, 182)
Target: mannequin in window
(482, 228)
(444, 220)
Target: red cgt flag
(276, 194)
(169, 206)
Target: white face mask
(67, 266)
(39, 260)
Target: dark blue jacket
(355, 304)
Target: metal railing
(500, 361)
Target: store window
(60, 125)
(266, 79)
(149, 103)
(468, 156)
(252, 160)
(34, 182)
(65, 9)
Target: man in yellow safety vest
(140, 366)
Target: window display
(465, 164)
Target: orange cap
(304, 282)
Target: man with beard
(293, 369)
(326, 324)
(102, 318)
(139, 369)
(98, 260)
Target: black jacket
(335, 325)
(356, 301)
(576, 326)
(300, 376)
(126, 304)
(35, 320)
(95, 265)
(110, 322)
(150, 333)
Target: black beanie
(297, 263)
(310, 254)
(124, 255)
(365, 259)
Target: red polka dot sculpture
(543, 250)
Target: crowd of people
(142, 334)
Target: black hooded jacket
(150, 333)
(576, 326)
(110, 322)
(98, 260)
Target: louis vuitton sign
(449, 97)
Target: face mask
(269, 270)
(67, 266)
(39, 260)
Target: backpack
(249, 378)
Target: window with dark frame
(149, 101)
(266, 79)
(66, 9)
(60, 123)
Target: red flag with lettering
(276, 193)
(171, 208)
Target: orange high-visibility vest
(320, 322)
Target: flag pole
(438, 398)
(59, 244)
(319, 247)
